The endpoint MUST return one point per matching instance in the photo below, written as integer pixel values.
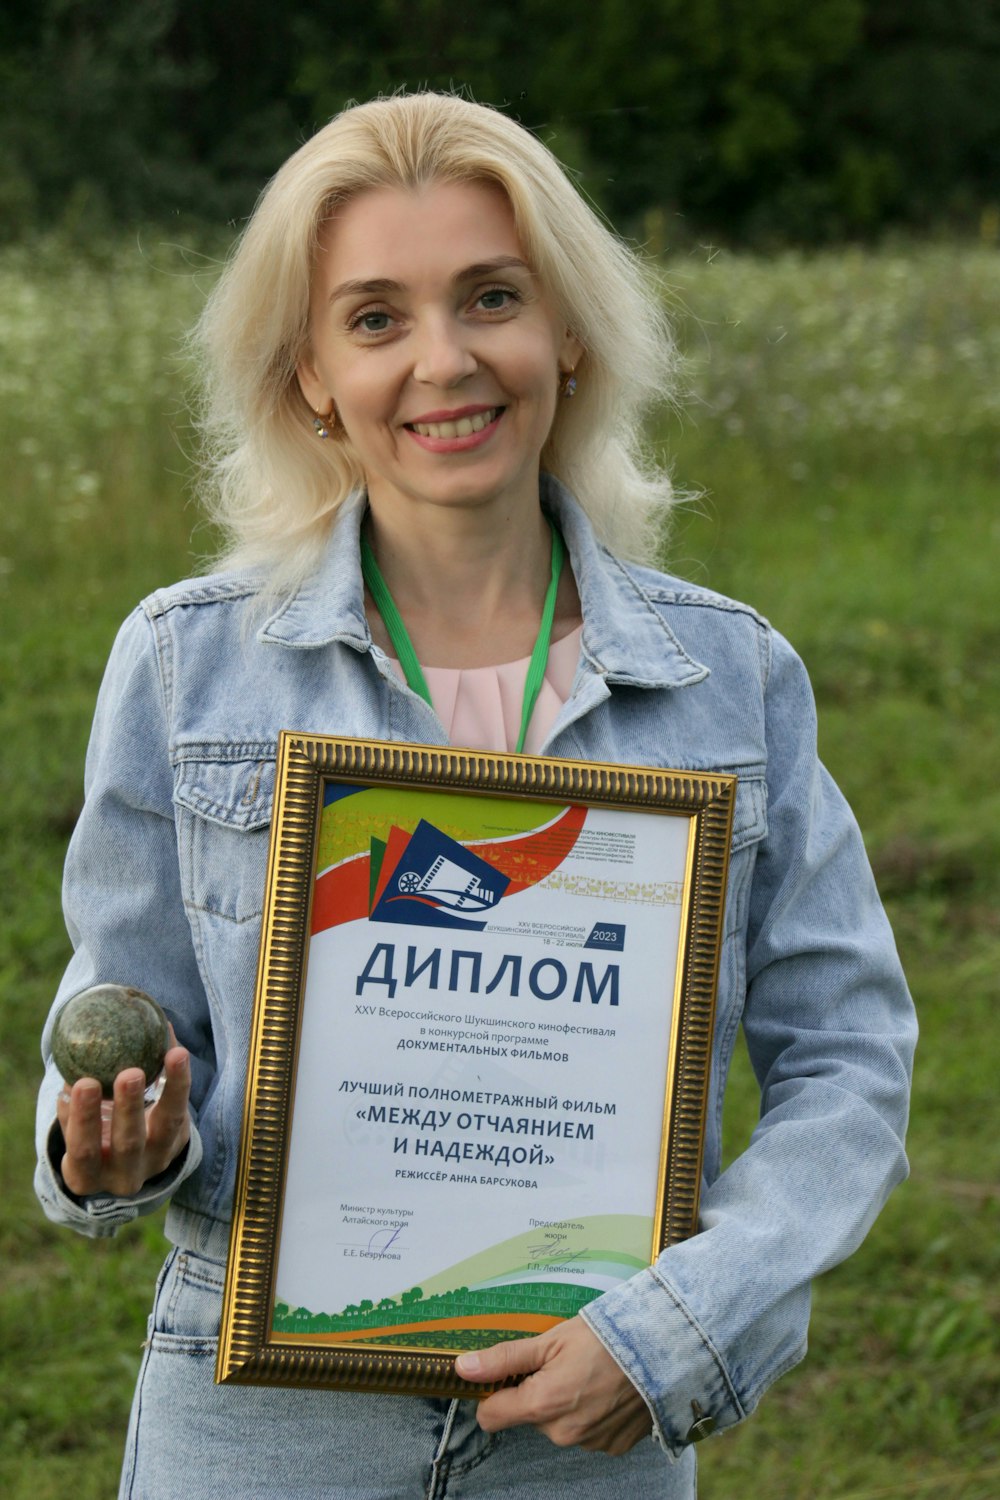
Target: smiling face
(432, 338)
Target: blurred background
(819, 187)
(759, 124)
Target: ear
(311, 385)
(571, 351)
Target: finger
(177, 1072)
(502, 1361)
(126, 1145)
(513, 1407)
(168, 1123)
(80, 1118)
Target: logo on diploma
(436, 882)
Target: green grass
(843, 429)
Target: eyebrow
(382, 284)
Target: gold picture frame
(548, 1077)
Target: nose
(444, 357)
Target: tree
(744, 119)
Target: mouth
(462, 426)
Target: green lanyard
(407, 657)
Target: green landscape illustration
(521, 1286)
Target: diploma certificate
(478, 1073)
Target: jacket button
(703, 1425)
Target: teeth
(464, 427)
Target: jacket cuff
(668, 1357)
(101, 1214)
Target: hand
(575, 1393)
(116, 1150)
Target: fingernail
(468, 1364)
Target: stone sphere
(105, 1029)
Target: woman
(423, 348)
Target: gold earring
(325, 425)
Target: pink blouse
(480, 707)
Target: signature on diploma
(383, 1239)
(550, 1249)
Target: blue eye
(372, 322)
(496, 299)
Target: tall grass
(842, 427)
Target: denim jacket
(165, 879)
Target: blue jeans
(189, 1436)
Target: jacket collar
(625, 638)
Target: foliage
(743, 120)
(843, 427)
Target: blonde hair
(266, 478)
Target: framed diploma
(479, 1064)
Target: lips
(458, 426)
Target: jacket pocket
(750, 812)
(749, 828)
(224, 796)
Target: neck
(469, 584)
(462, 564)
